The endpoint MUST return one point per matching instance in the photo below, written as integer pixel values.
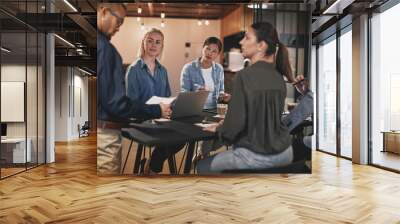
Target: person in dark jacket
(114, 108)
(253, 121)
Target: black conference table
(152, 134)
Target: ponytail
(266, 32)
(283, 64)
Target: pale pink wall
(176, 32)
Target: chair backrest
(300, 150)
(86, 125)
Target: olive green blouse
(253, 119)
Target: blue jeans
(243, 159)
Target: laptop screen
(189, 104)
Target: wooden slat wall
(92, 83)
(236, 21)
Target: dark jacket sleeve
(303, 110)
(112, 91)
(235, 119)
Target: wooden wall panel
(92, 83)
(232, 23)
(238, 20)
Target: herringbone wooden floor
(69, 191)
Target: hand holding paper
(157, 100)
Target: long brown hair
(266, 32)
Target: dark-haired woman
(205, 74)
(253, 121)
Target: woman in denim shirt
(146, 78)
(205, 74)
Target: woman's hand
(210, 128)
(213, 128)
(301, 84)
(165, 110)
(225, 97)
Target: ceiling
(181, 10)
(77, 26)
(39, 6)
(77, 22)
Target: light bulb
(139, 10)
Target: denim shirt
(191, 78)
(112, 101)
(141, 85)
(303, 110)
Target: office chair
(84, 130)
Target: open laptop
(188, 104)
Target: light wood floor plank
(70, 191)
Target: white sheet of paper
(205, 125)
(162, 120)
(158, 100)
(219, 116)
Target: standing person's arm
(112, 90)
(186, 82)
(132, 84)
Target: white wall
(61, 103)
(33, 127)
(176, 32)
(71, 93)
(16, 73)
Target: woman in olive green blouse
(253, 120)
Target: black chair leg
(172, 164)
(189, 157)
(137, 159)
(142, 164)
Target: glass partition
(22, 88)
(15, 152)
(385, 88)
(327, 96)
(346, 93)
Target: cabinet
(13, 150)
(391, 141)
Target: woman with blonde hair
(147, 77)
